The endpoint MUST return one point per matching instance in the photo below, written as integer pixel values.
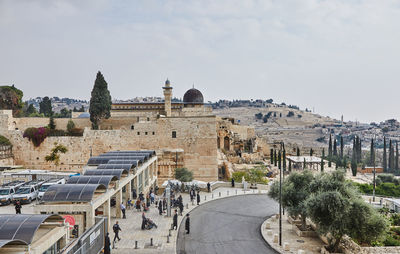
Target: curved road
(228, 225)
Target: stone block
(269, 232)
(276, 238)
(268, 225)
(286, 246)
(301, 252)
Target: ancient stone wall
(195, 135)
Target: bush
(4, 141)
(77, 132)
(386, 178)
(36, 135)
(395, 220)
(56, 133)
(70, 125)
(238, 175)
(183, 175)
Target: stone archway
(226, 143)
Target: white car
(26, 194)
(46, 185)
(6, 195)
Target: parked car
(47, 184)
(8, 190)
(28, 192)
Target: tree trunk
(336, 245)
(303, 222)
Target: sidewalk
(131, 226)
(310, 245)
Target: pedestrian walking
(233, 182)
(18, 207)
(143, 221)
(180, 208)
(141, 196)
(152, 197)
(198, 198)
(208, 186)
(160, 207)
(116, 229)
(107, 244)
(123, 209)
(175, 220)
(180, 199)
(187, 224)
(138, 206)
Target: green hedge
(384, 189)
(5, 141)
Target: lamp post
(373, 150)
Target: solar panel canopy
(105, 180)
(110, 172)
(144, 155)
(71, 192)
(21, 228)
(97, 160)
(151, 152)
(116, 166)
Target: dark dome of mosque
(193, 96)
(167, 82)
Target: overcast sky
(339, 57)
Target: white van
(47, 184)
(28, 192)
(7, 192)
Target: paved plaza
(131, 226)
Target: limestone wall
(195, 135)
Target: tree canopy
(183, 175)
(100, 101)
(11, 98)
(45, 107)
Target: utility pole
(373, 192)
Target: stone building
(188, 129)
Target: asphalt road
(229, 225)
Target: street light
(280, 206)
(373, 150)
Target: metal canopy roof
(21, 228)
(71, 192)
(120, 161)
(104, 159)
(151, 152)
(145, 155)
(116, 166)
(110, 172)
(105, 180)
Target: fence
(91, 242)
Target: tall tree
(341, 147)
(45, 107)
(334, 147)
(100, 101)
(298, 151)
(279, 160)
(284, 160)
(30, 110)
(11, 98)
(330, 147)
(311, 152)
(391, 155)
(271, 154)
(396, 163)
(275, 158)
(384, 162)
(372, 153)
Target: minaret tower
(167, 98)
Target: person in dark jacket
(209, 187)
(141, 197)
(198, 198)
(107, 244)
(18, 207)
(180, 208)
(116, 229)
(233, 182)
(187, 224)
(144, 221)
(175, 220)
(160, 207)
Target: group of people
(193, 195)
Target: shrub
(70, 125)
(56, 133)
(183, 174)
(77, 132)
(5, 141)
(36, 135)
(386, 178)
(238, 175)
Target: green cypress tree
(279, 160)
(304, 164)
(100, 101)
(372, 153)
(311, 152)
(290, 165)
(396, 163)
(341, 147)
(271, 154)
(322, 165)
(330, 147)
(334, 148)
(384, 162)
(391, 155)
(284, 160)
(45, 107)
(275, 159)
(298, 151)
(52, 124)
